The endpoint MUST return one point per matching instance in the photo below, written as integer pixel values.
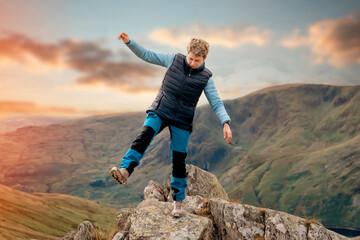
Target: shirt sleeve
(162, 59)
(215, 102)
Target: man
(174, 107)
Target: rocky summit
(210, 214)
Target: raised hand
(124, 37)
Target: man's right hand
(124, 37)
(227, 132)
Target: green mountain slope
(294, 148)
(298, 151)
(71, 158)
(48, 216)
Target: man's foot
(120, 175)
(178, 211)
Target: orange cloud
(11, 107)
(230, 37)
(295, 40)
(336, 41)
(95, 63)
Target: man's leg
(178, 145)
(151, 127)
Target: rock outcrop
(85, 231)
(153, 220)
(204, 184)
(237, 221)
(210, 215)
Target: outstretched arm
(218, 107)
(161, 59)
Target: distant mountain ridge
(11, 123)
(294, 149)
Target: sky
(64, 58)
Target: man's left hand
(227, 132)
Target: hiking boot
(120, 175)
(178, 211)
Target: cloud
(96, 64)
(12, 107)
(229, 37)
(336, 41)
(295, 40)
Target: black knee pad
(179, 165)
(143, 139)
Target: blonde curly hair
(198, 47)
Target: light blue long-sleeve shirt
(165, 60)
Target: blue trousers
(178, 145)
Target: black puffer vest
(179, 93)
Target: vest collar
(187, 67)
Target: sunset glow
(51, 65)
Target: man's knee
(143, 140)
(179, 165)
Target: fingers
(122, 35)
(227, 132)
(229, 136)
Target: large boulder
(204, 184)
(200, 183)
(283, 226)
(194, 204)
(237, 221)
(319, 232)
(123, 219)
(156, 191)
(153, 220)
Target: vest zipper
(178, 100)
